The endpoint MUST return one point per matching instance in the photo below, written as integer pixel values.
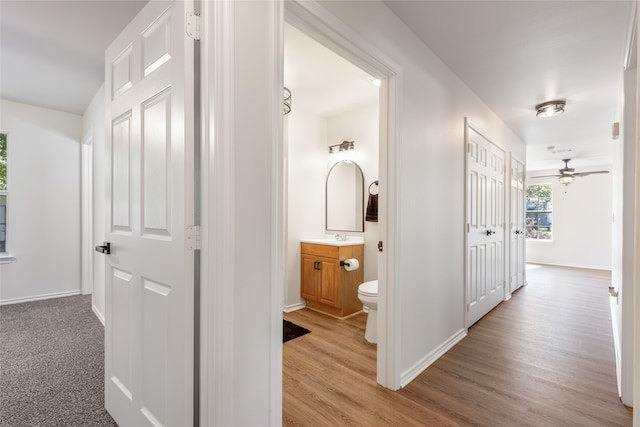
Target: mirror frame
(326, 197)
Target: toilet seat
(369, 289)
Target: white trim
(7, 258)
(630, 39)
(278, 211)
(86, 214)
(586, 267)
(411, 373)
(217, 220)
(98, 314)
(293, 307)
(636, 300)
(39, 297)
(613, 302)
(311, 18)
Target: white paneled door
(485, 275)
(517, 226)
(149, 273)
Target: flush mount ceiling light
(550, 108)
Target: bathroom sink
(332, 241)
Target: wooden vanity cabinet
(325, 285)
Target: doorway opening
(332, 101)
(375, 148)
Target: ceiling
(321, 81)
(512, 54)
(52, 52)
(516, 54)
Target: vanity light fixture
(550, 108)
(287, 101)
(342, 147)
(342, 151)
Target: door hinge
(193, 237)
(192, 25)
(380, 246)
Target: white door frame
(218, 368)
(86, 257)
(636, 302)
(314, 21)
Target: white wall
(430, 171)
(93, 124)
(581, 222)
(361, 124)
(623, 251)
(307, 165)
(43, 228)
(627, 292)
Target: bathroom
(332, 101)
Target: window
(3, 192)
(539, 215)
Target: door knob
(490, 232)
(105, 248)
(518, 232)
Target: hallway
(543, 358)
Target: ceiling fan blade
(546, 176)
(588, 173)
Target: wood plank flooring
(543, 358)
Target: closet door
(517, 224)
(485, 265)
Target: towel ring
(371, 185)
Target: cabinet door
(309, 277)
(330, 282)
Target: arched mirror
(345, 197)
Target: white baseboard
(39, 297)
(586, 267)
(293, 307)
(409, 375)
(98, 314)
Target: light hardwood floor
(543, 358)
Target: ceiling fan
(567, 174)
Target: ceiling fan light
(566, 179)
(550, 108)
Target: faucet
(341, 237)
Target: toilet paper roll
(351, 264)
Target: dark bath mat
(291, 331)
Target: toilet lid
(369, 288)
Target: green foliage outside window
(3, 162)
(539, 215)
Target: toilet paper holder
(350, 264)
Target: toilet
(368, 295)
